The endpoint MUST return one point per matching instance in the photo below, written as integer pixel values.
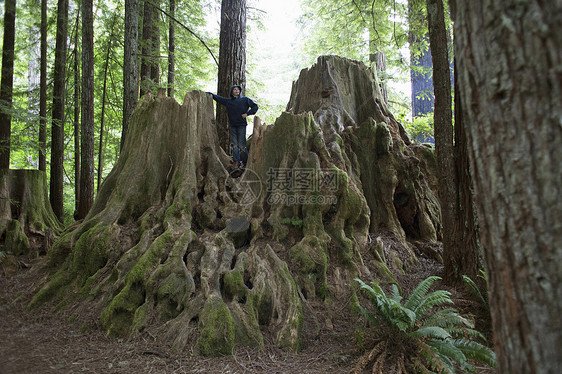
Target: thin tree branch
(186, 28)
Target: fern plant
(481, 295)
(419, 334)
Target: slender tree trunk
(511, 90)
(43, 90)
(172, 49)
(57, 127)
(130, 66)
(7, 82)
(155, 56)
(464, 256)
(102, 121)
(443, 120)
(146, 43)
(77, 57)
(87, 128)
(232, 59)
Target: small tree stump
(26, 216)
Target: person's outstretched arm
(219, 99)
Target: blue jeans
(238, 144)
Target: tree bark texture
(57, 127)
(130, 64)
(87, 128)
(43, 91)
(464, 256)
(77, 105)
(509, 56)
(232, 60)
(7, 82)
(443, 120)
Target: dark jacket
(236, 106)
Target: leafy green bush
(421, 128)
(418, 334)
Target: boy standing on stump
(238, 107)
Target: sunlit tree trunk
(57, 127)
(7, 82)
(232, 59)
(508, 57)
(130, 67)
(87, 128)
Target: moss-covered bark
(27, 221)
(160, 248)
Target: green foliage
(432, 338)
(421, 127)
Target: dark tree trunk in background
(87, 129)
(130, 66)
(232, 59)
(146, 47)
(420, 59)
(464, 256)
(510, 81)
(422, 84)
(77, 58)
(172, 49)
(7, 82)
(155, 58)
(443, 120)
(59, 86)
(43, 91)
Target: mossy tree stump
(27, 221)
(158, 249)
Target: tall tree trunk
(509, 74)
(443, 120)
(463, 258)
(57, 127)
(102, 121)
(155, 56)
(232, 59)
(43, 90)
(172, 49)
(7, 82)
(87, 129)
(146, 44)
(130, 67)
(77, 57)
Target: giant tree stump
(174, 244)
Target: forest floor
(42, 341)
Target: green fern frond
(447, 317)
(396, 294)
(447, 351)
(430, 332)
(419, 292)
(430, 358)
(482, 297)
(429, 301)
(476, 351)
